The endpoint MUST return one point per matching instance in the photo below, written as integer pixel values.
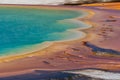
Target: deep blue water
(20, 27)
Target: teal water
(21, 27)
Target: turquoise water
(21, 27)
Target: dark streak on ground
(99, 49)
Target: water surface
(22, 29)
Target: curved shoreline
(43, 51)
(60, 55)
(50, 43)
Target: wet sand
(74, 54)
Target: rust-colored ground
(106, 5)
(74, 54)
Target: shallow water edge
(37, 47)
